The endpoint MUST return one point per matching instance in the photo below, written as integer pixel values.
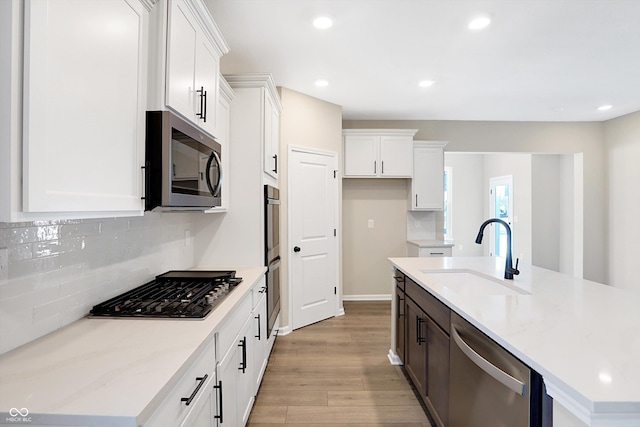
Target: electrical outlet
(370, 223)
(4, 264)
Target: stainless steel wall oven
(272, 253)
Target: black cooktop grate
(176, 294)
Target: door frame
(338, 301)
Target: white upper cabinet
(82, 109)
(271, 136)
(378, 153)
(427, 185)
(194, 48)
(256, 109)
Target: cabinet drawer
(199, 376)
(429, 252)
(439, 312)
(229, 330)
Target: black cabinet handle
(219, 389)
(259, 334)
(243, 364)
(374, 167)
(382, 168)
(263, 290)
(203, 104)
(189, 399)
(400, 313)
(296, 249)
(419, 338)
(275, 161)
(416, 200)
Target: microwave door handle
(214, 190)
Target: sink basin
(471, 283)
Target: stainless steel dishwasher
(489, 386)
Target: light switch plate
(370, 223)
(4, 265)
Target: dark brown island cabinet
(422, 344)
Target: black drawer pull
(243, 364)
(419, 338)
(259, 336)
(189, 399)
(219, 388)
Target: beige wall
(531, 137)
(366, 270)
(305, 122)
(623, 155)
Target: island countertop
(583, 337)
(108, 371)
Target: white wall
(365, 250)
(623, 160)
(547, 211)
(469, 199)
(58, 270)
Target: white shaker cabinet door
(427, 186)
(361, 155)
(206, 86)
(84, 103)
(181, 59)
(396, 157)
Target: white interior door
(501, 207)
(313, 202)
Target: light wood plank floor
(336, 373)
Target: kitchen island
(581, 336)
(112, 372)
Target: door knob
(296, 249)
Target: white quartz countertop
(108, 372)
(582, 337)
(431, 243)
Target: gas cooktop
(188, 294)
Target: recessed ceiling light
(426, 83)
(323, 22)
(605, 107)
(479, 23)
(322, 83)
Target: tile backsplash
(57, 270)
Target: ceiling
(538, 60)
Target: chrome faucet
(509, 271)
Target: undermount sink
(471, 283)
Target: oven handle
(489, 368)
(274, 264)
(215, 191)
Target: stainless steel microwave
(183, 168)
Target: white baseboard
(340, 312)
(284, 330)
(393, 358)
(373, 297)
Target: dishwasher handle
(492, 370)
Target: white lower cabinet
(192, 401)
(243, 355)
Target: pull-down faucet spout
(509, 271)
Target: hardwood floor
(336, 373)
